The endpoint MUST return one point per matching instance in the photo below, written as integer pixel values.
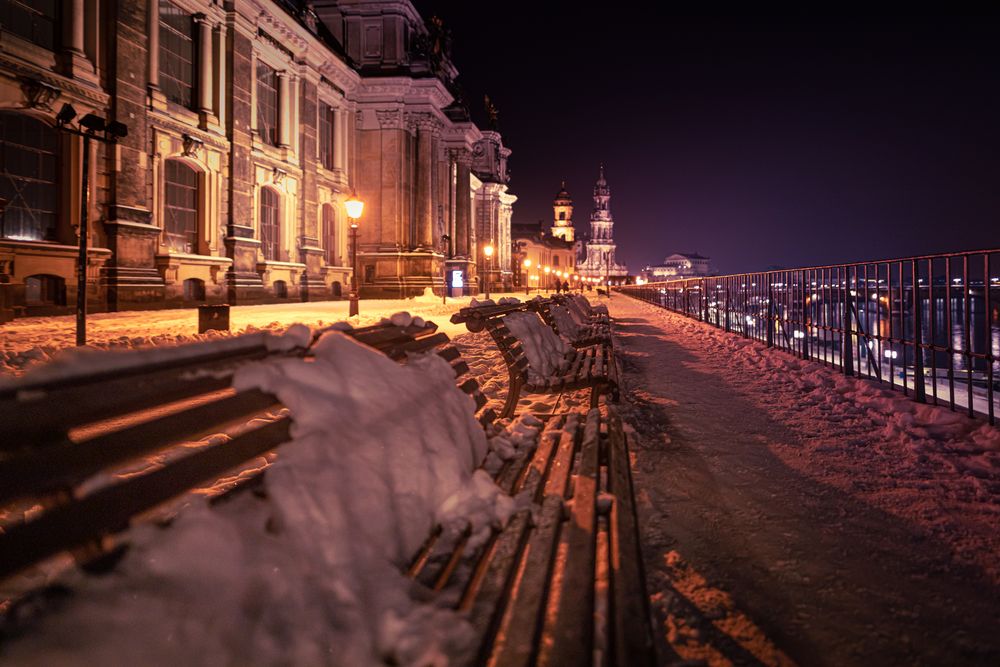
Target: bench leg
(513, 394)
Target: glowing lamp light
(890, 354)
(355, 207)
(799, 334)
(488, 251)
(548, 269)
(527, 263)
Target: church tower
(562, 207)
(600, 254)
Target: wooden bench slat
(486, 596)
(517, 637)
(568, 639)
(111, 508)
(65, 465)
(629, 619)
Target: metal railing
(927, 325)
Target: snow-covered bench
(577, 330)
(537, 360)
(560, 582)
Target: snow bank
(311, 574)
(546, 352)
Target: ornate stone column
(153, 34)
(284, 110)
(426, 127)
(205, 88)
(463, 205)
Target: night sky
(758, 141)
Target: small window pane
(176, 54)
(28, 191)
(269, 227)
(267, 103)
(181, 207)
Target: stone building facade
(249, 122)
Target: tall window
(176, 54)
(181, 207)
(327, 141)
(35, 20)
(29, 153)
(330, 245)
(269, 227)
(555, 260)
(562, 215)
(267, 103)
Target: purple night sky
(757, 141)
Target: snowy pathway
(790, 515)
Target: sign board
(457, 279)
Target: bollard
(213, 317)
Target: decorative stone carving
(38, 94)
(389, 119)
(278, 176)
(192, 146)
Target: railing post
(919, 391)
(770, 311)
(847, 346)
(728, 329)
(805, 317)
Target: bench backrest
(57, 432)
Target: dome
(562, 197)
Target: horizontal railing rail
(927, 325)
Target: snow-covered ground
(32, 340)
(791, 514)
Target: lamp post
(90, 127)
(548, 279)
(445, 250)
(527, 266)
(488, 252)
(354, 208)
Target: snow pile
(312, 574)
(568, 326)
(546, 352)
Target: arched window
(180, 209)
(331, 248)
(44, 290)
(29, 154)
(269, 226)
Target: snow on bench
(377, 455)
(538, 361)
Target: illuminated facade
(249, 124)
(679, 265)
(541, 250)
(562, 214)
(598, 260)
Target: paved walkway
(753, 556)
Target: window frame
(174, 87)
(24, 185)
(50, 37)
(267, 128)
(269, 224)
(192, 244)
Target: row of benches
(561, 583)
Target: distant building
(562, 208)
(542, 251)
(598, 257)
(678, 265)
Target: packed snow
(310, 572)
(547, 353)
(37, 340)
(789, 513)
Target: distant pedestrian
(566, 287)
(558, 287)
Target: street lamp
(527, 265)
(354, 208)
(90, 127)
(548, 279)
(488, 251)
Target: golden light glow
(527, 263)
(488, 251)
(354, 207)
(548, 269)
